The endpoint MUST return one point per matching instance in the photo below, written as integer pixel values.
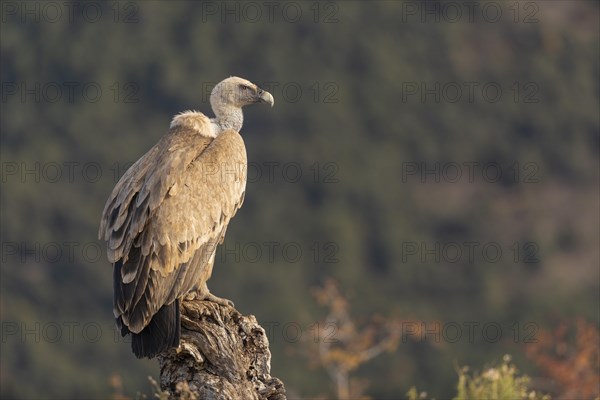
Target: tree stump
(222, 355)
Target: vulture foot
(208, 296)
(218, 300)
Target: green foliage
(498, 382)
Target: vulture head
(238, 92)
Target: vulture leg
(219, 300)
(202, 293)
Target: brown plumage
(170, 210)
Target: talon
(191, 296)
(204, 294)
(218, 300)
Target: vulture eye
(244, 87)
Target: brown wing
(144, 186)
(165, 217)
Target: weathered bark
(223, 355)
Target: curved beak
(265, 97)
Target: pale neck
(229, 117)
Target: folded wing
(166, 216)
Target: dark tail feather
(162, 332)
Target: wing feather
(165, 216)
(144, 186)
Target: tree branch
(223, 355)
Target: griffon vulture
(166, 215)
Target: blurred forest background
(354, 176)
